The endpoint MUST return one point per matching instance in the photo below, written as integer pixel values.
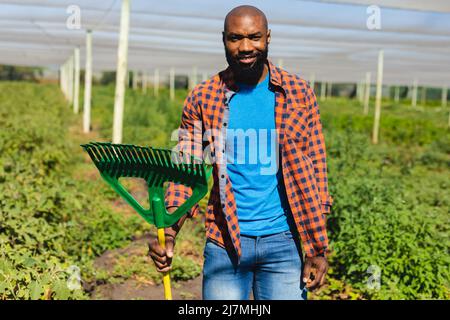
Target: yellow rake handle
(166, 276)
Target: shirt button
(222, 176)
(223, 206)
(224, 124)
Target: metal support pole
(156, 83)
(376, 124)
(424, 96)
(61, 77)
(135, 79)
(76, 89)
(87, 84)
(397, 94)
(71, 78)
(414, 93)
(323, 89)
(367, 93)
(330, 89)
(193, 78)
(144, 82)
(172, 83)
(122, 64)
(312, 80)
(444, 97)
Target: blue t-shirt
(252, 161)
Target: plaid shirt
(302, 150)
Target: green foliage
(48, 222)
(391, 201)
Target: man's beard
(252, 74)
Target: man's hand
(314, 272)
(163, 257)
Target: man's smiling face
(246, 40)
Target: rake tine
(93, 156)
(118, 163)
(133, 163)
(175, 160)
(121, 156)
(88, 147)
(167, 156)
(142, 160)
(130, 164)
(138, 161)
(109, 157)
(126, 170)
(159, 158)
(98, 155)
(181, 165)
(99, 151)
(140, 152)
(145, 152)
(192, 167)
(166, 159)
(152, 157)
(164, 163)
(106, 161)
(174, 172)
(161, 164)
(198, 170)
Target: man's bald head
(245, 11)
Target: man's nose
(245, 45)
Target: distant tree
(15, 73)
(108, 77)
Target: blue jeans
(270, 265)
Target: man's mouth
(247, 60)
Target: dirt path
(135, 287)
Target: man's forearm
(176, 227)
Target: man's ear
(268, 36)
(223, 37)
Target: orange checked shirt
(302, 151)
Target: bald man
(260, 127)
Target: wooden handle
(166, 276)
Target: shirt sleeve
(317, 152)
(190, 144)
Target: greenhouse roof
(328, 38)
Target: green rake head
(156, 167)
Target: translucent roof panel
(328, 39)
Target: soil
(135, 288)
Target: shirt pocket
(296, 125)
